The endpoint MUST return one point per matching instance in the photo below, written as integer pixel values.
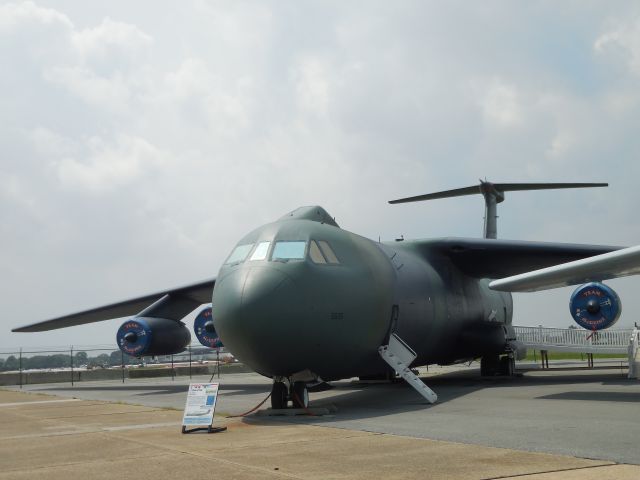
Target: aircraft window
(260, 253)
(239, 254)
(315, 253)
(288, 251)
(328, 252)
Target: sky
(140, 140)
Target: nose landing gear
(299, 395)
(279, 395)
(283, 391)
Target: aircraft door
(393, 324)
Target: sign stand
(200, 408)
(209, 429)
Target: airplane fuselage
(302, 294)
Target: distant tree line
(63, 360)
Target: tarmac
(377, 431)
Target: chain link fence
(78, 363)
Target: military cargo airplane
(302, 300)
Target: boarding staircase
(399, 356)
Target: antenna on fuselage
(493, 194)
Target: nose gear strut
(284, 391)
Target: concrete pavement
(66, 438)
(576, 412)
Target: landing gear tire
(489, 365)
(507, 366)
(299, 395)
(279, 396)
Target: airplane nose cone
(241, 293)
(256, 310)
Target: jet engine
(204, 329)
(152, 336)
(595, 306)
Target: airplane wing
(490, 258)
(173, 304)
(615, 264)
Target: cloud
(622, 42)
(50, 144)
(17, 16)
(108, 166)
(500, 104)
(204, 97)
(99, 66)
(111, 94)
(312, 83)
(111, 39)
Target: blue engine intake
(204, 329)
(152, 336)
(595, 306)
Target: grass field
(531, 356)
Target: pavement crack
(101, 414)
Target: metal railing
(574, 339)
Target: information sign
(200, 407)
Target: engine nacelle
(595, 306)
(152, 336)
(205, 331)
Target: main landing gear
(492, 365)
(284, 391)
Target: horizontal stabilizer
(493, 194)
(172, 304)
(484, 187)
(616, 264)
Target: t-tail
(493, 194)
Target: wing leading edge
(615, 264)
(489, 258)
(173, 304)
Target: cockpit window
(260, 253)
(328, 252)
(239, 254)
(315, 253)
(288, 251)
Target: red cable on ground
(297, 399)
(306, 409)
(252, 410)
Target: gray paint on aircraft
(283, 318)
